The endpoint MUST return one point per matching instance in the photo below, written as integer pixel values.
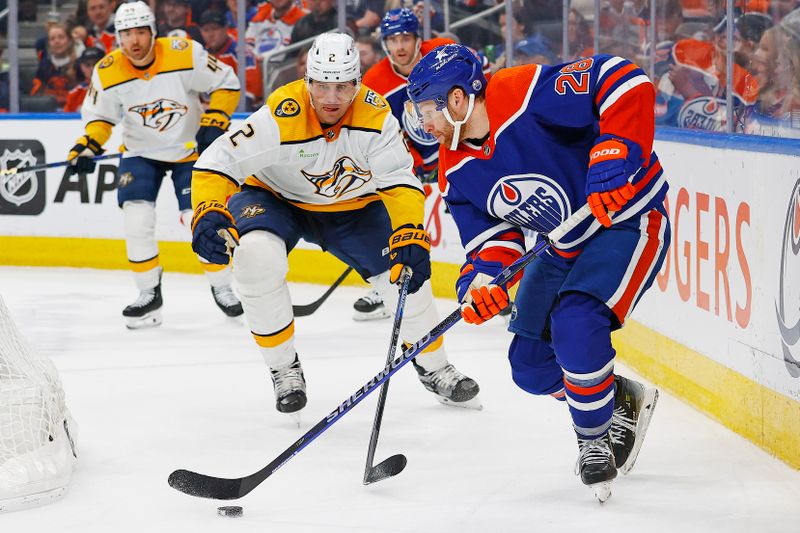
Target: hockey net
(36, 431)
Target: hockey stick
(396, 463)
(11, 171)
(204, 486)
(305, 310)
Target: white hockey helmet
(333, 58)
(134, 15)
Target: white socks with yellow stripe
(140, 241)
(260, 265)
(419, 317)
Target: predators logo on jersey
(161, 114)
(345, 176)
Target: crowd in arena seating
(687, 63)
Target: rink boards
(720, 327)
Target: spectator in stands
(535, 49)
(233, 16)
(177, 21)
(271, 26)
(221, 45)
(518, 33)
(365, 14)
(580, 36)
(782, 118)
(86, 64)
(322, 18)
(101, 18)
(56, 73)
(369, 51)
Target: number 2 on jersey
(574, 77)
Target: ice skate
(370, 307)
(145, 312)
(227, 300)
(290, 389)
(633, 408)
(450, 386)
(596, 465)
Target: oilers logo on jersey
(345, 176)
(529, 200)
(161, 114)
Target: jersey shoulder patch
(175, 54)
(112, 70)
(369, 110)
(290, 106)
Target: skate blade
(378, 314)
(648, 406)
(602, 491)
(148, 320)
(473, 403)
(296, 418)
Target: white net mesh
(36, 449)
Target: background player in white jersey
(152, 87)
(323, 160)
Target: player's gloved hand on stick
(214, 234)
(81, 155)
(612, 163)
(410, 246)
(213, 123)
(480, 298)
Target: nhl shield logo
(786, 308)
(345, 176)
(19, 188)
(22, 193)
(161, 114)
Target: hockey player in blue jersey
(523, 152)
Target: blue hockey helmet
(399, 20)
(441, 69)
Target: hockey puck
(230, 510)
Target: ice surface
(194, 393)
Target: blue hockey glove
(214, 234)
(612, 163)
(213, 123)
(411, 247)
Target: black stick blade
(387, 468)
(203, 486)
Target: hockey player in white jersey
(152, 86)
(323, 160)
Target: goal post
(37, 433)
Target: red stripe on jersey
(632, 117)
(611, 80)
(587, 391)
(505, 95)
(643, 264)
(647, 177)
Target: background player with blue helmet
(401, 39)
(571, 134)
